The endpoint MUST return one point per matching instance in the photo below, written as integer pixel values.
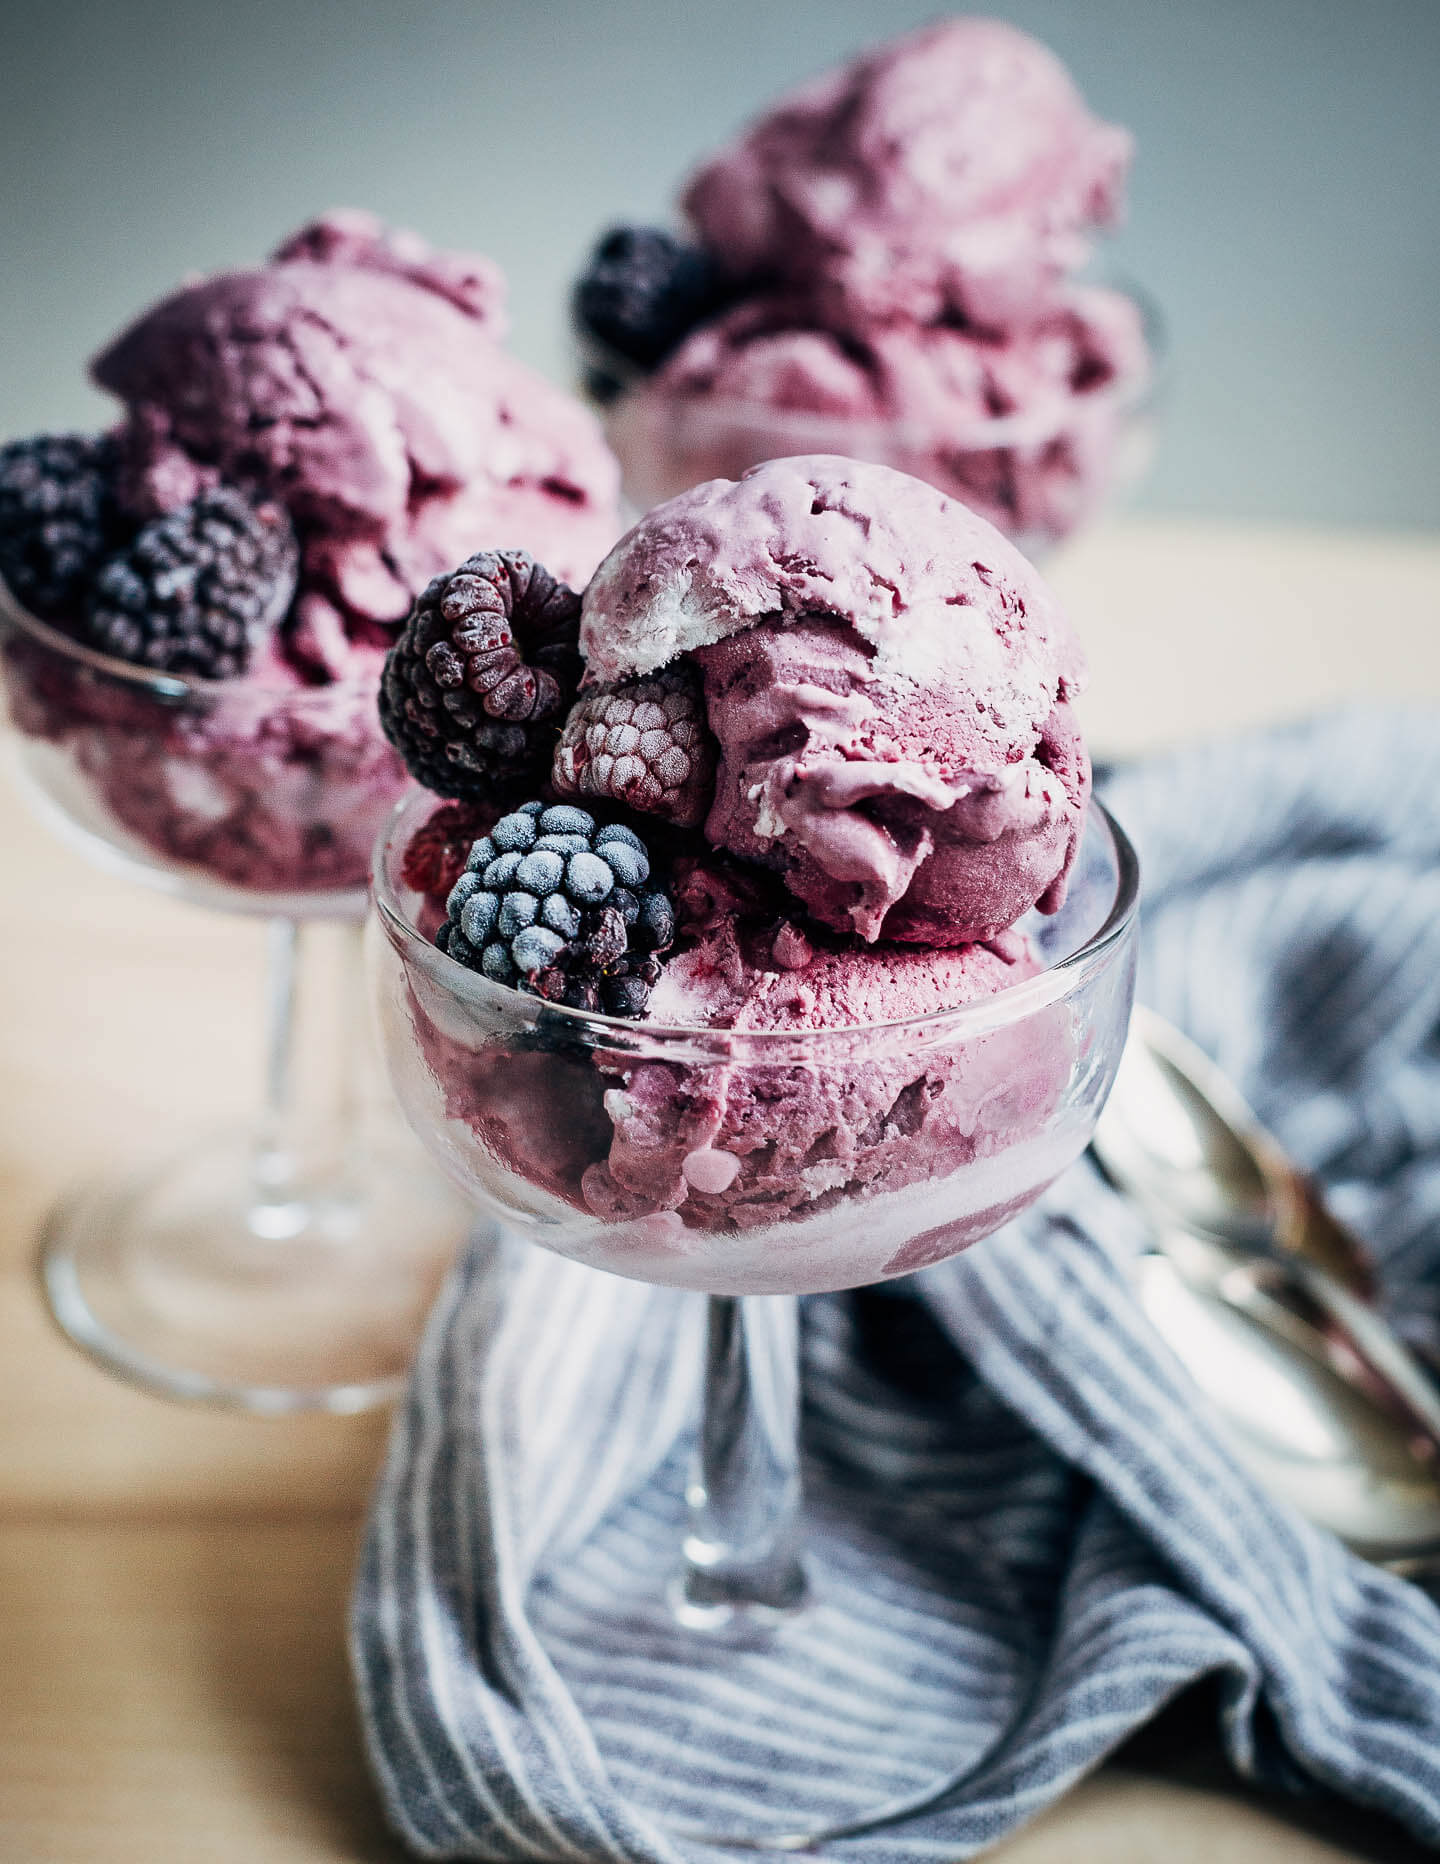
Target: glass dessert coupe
(983, 1107)
(289, 1268)
(1038, 475)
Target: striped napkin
(1026, 1534)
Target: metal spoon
(1178, 1134)
(1263, 1294)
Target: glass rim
(1123, 394)
(999, 1009)
(46, 634)
(14, 614)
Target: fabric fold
(1027, 1531)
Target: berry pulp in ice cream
(886, 776)
(891, 253)
(354, 394)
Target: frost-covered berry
(643, 743)
(59, 519)
(574, 924)
(640, 293)
(480, 677)
(197, 588)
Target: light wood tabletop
(172, 1581)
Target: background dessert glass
(507, 1093)
(1038, 475)
(291, 1267)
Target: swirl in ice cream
(889, 684)
(953, 173)
(886, 265)
(355, 389)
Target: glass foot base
(178, 1280)
(852, 1712)
(736, 1618)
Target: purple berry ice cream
(955, 173)
(884, 266)
(821, 761)
(888, 683)
(304, 446)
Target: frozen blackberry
(644, 744)
(640, 294)
(481, 675)
(561, 908)
(197, 588)
(58, 519)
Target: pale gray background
(1285, 200)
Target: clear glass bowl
(1037, 475)
(289, 1267)
(256, 795)
(756, 1167)
(759, 1163)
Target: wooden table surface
(172, 1581)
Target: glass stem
(356, 1083)
(742, 1552)
(275, 1149)
(308, 1134)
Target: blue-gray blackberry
(481, 676)
(640, 294)
(555, 905)
(59, 519)
(197, 588)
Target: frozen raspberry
(640, 294)
(435, 858)
(644, 744)
(481, 675)
(197, 588)
(560, 908)
(59, 519)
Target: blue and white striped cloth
(1027, 1533)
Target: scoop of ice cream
(358, 378)
(937, 381)
(955, 171)
(1022, 426)
(751, 1144)
(351, 236)
(888, 682)
(799, 1147)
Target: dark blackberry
(59, 519)
(640, 294)
(644, 744)
(560, 908)
(197, 588)
(481, 676)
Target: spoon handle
(1375, 1343)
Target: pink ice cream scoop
(1020, 425)
(953, 173)
(359, 379)
(760, 1138)
(887, 682)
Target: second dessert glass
(1038, 475)
(522, 1102)
(290, 1267)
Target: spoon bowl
(1308, 1434)
(1265, 1297)
(1178, 1135)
